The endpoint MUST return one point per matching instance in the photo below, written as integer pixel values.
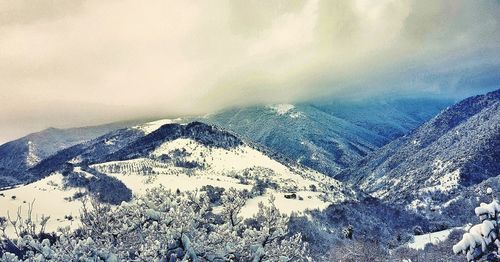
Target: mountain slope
(19, 155)
(202, 152)
(328, 136)
(387, 117)
(41, 152)
(95, 150)
(193, 156)
(457, 149)
(303, 134)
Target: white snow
(224, 168)
(282, 109)
(238, 168)
(76, 160)
(31, 159)
(468, 240)
(218, 160)
(49, 197)
(84, 173)
(490, 209)
(443, 183)
(110, 142)
(150, 127)
(420, 241)
(441, 180)
(222, 160)
(449, 180)
(296, 114)
(140, 183)
(310, 200)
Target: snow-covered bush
(482, 240)
(163, 225)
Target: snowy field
(431, 238)
(221, 168)
(50, 199)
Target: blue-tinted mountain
(19, 155)
(328, 136)
(388, 117)
(86, 153)
(432, 166)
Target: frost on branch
(482, 240)
(163, 225)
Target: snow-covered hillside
(242, 168)
(178, 157)
(48, 197)
(17, 156)
(429, 169)
(93, 150)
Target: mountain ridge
(457, 149)
(327, 136)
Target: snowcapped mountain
(328, 136)
(182, 157)
(19, 155)
(94, 150)
(436, 164)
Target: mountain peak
(205, 134)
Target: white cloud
(132, 58)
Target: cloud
(109, 60)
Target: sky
(84, 62)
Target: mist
(76, 63)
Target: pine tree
(482, 242)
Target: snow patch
(445, 183)
(31, 159)
(150, 127)
(282, 109)
(431, 238)
(110, 142)
(82, 172)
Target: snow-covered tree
(482, 240)
(163, 225)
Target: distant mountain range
(329, 136)
(325, 136)
(436, 164)
(17, 156)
